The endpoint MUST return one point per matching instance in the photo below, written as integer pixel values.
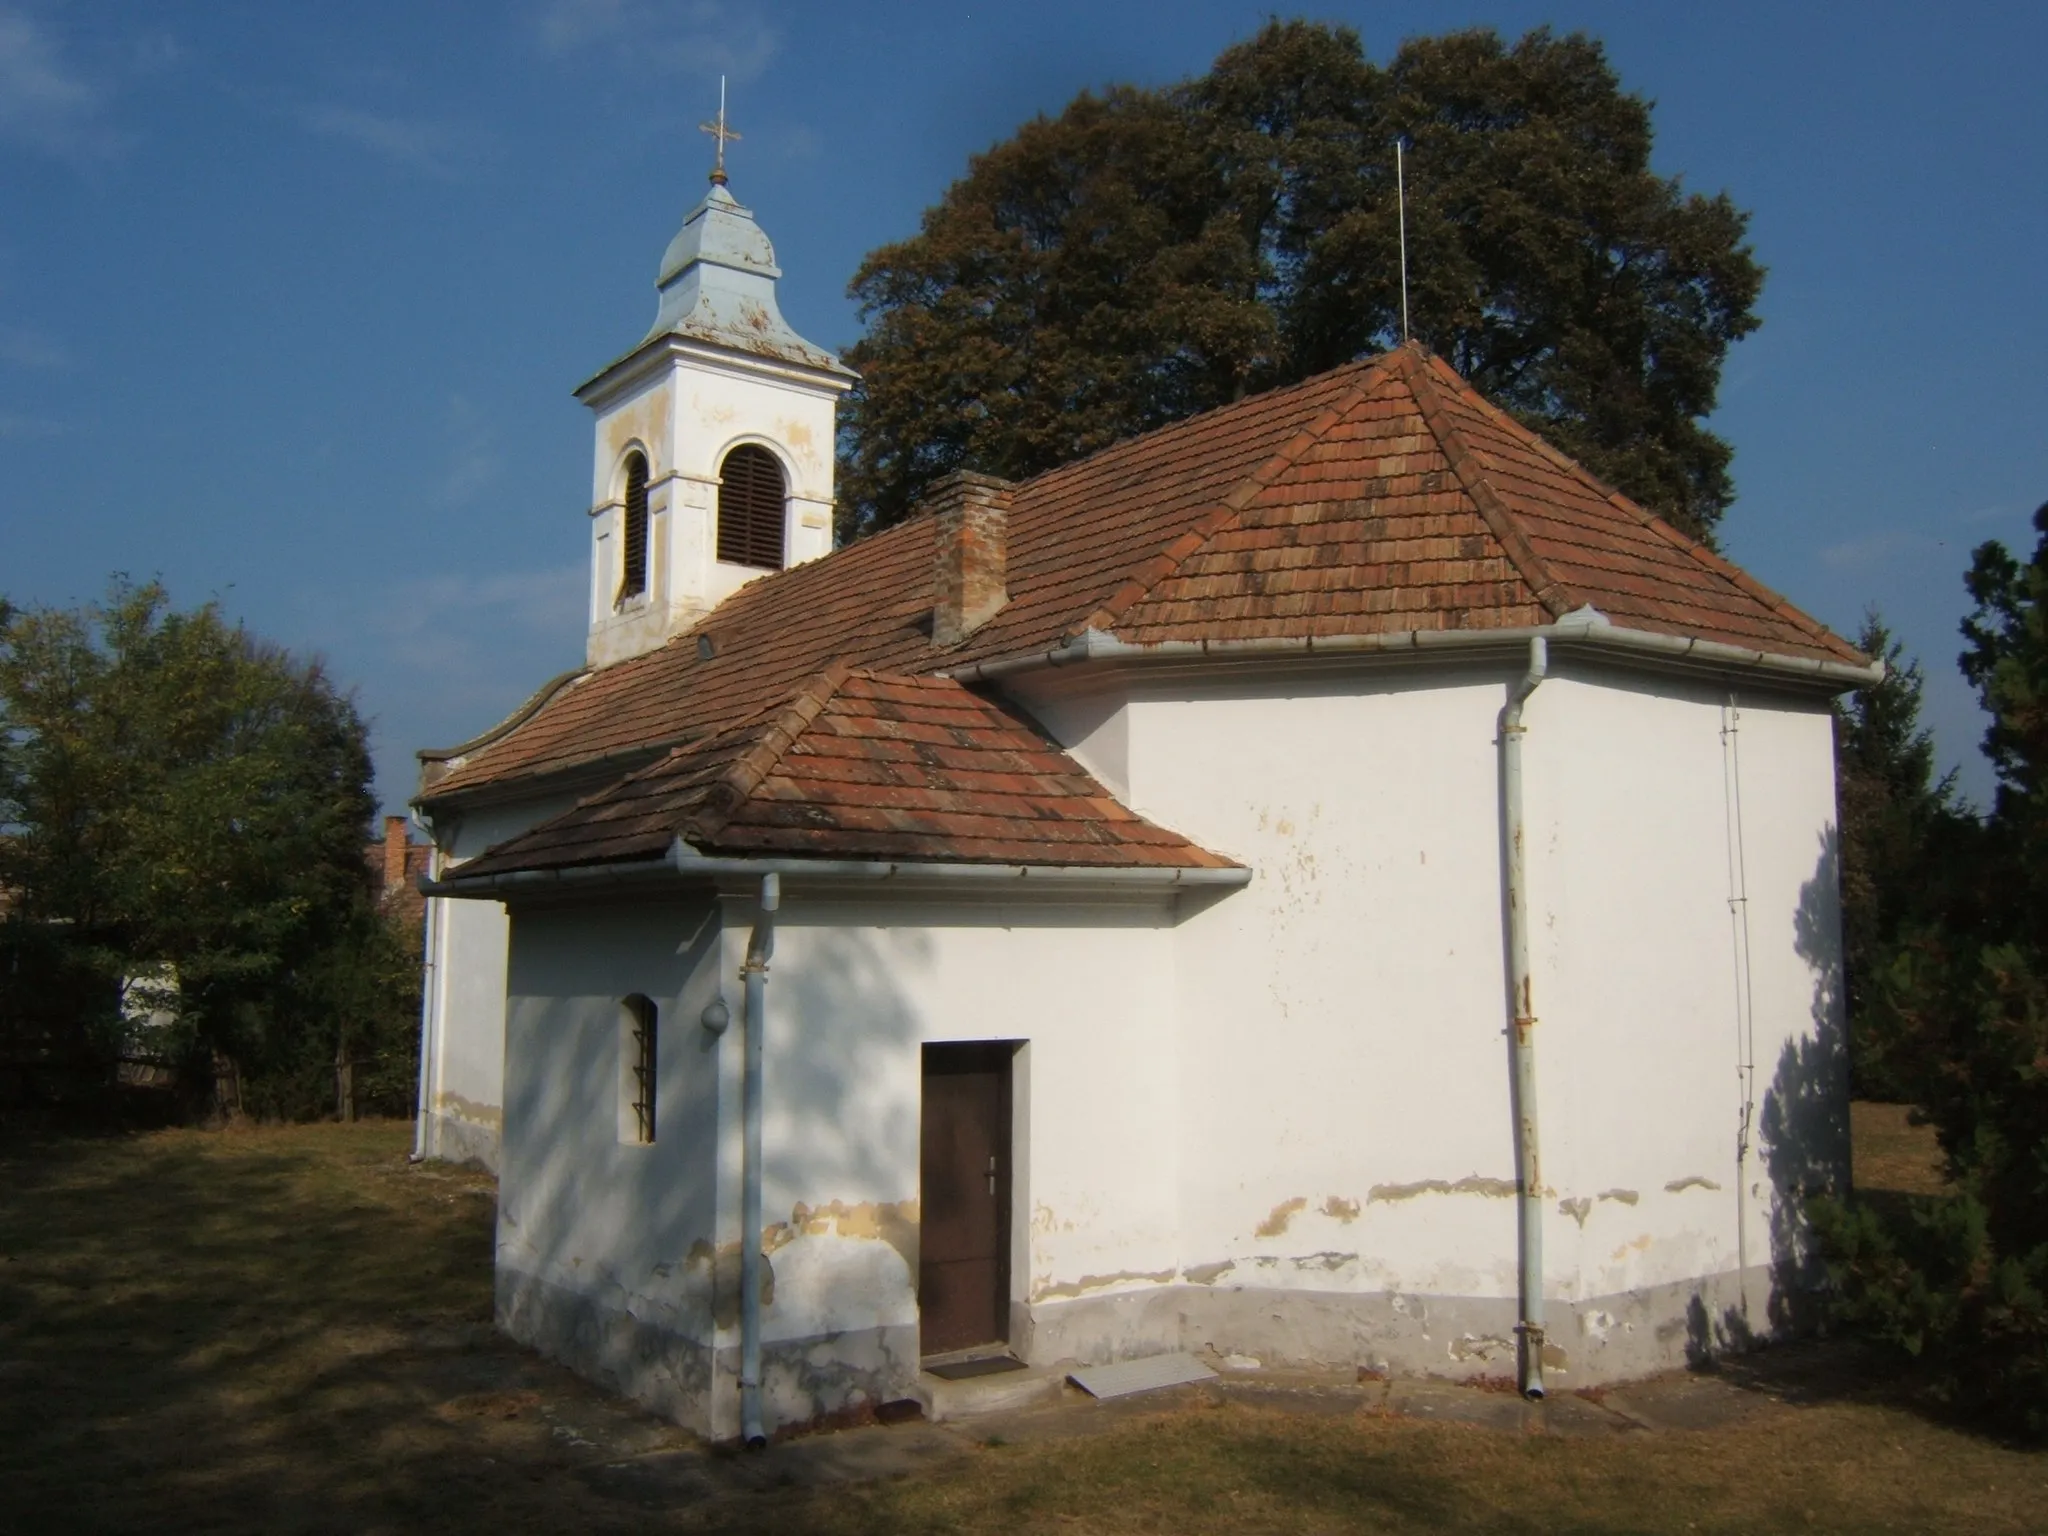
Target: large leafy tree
(1152, 253)
(185, 810)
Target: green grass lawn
(284, 1330)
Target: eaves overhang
(684, 867)
(1596, 637)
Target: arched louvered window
(750, 507)
(633, 547)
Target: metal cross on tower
(721, 133)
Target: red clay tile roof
(859, 765)
(1381, 497)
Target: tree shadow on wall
(1800, 1137)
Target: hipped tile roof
(1382, 497)
(859, 765)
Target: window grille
(634, 546)
(643, 1018)
(751, 498)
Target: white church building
(1327, 880)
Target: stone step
(1000, 1392)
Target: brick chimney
(395, 840)
(970, 519)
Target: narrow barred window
(638, 1033)
(634, 545)
(751, 498)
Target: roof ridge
(1555, 597)
(1701, 551)
(736, 782)
(1231, 507)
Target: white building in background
(1168, 949)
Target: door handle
(991, 1173)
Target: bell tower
(715, 437)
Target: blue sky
(292, 297)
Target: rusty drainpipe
(760, 946)
(1522, 1011)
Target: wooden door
(963, 1278)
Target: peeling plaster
(1623, 1196)
(723, 1265)
(1208, 1274)
(1340, 1209)
(1472, 1184)
(1277, 1219)
(1045, 1219)
(891, 1222)
(1488, 1346)
(488, 1115)
(1577, 1209)
(1694, 1181)
(1047, 1290)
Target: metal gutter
(1594, 633)
(683, 863)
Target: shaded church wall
(1674, 844)
(464, 1031)
(609, 1255)
(857, 988)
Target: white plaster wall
(464, 1025)
(1344, 1114)
(630, 1226)
(1345, 1109)
(1639, 965)
(1800, 1144)
(856, 990)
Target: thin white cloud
(473, 456)
(45, 103)
(473, 646)
(438, 658)
(1872, 548)
(24, 348)
(14, 427)
(798, 142)
(551, 599)
(706, 38)
(430, 148)
(2001, 513)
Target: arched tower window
(633, 549)
(751, 497)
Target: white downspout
(760, 946)
(430, 1018)
(1522, 1014)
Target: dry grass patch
(1226, 1468)
(1893, 1155)
(286, 1331)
